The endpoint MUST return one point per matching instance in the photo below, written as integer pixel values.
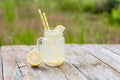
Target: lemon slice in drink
(59, 28)
(34, 58)
(55, 63)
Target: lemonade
(53, 48)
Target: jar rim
(52, 33)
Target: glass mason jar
(52, 48)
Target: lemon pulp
(34, 58)
(57, 62)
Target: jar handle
(39, 40)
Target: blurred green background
(86, 21)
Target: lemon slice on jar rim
(59, 28)
(34, 58)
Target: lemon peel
(59, 28)
(34, 58)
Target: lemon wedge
(54, 63)
(59, 28)
(34, 58)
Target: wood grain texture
(9, 64)
(82, 62)
(1, 68)
(90, 66)
(21, 56)
(67, 70)
(113, 48)
(40, 73)
(105, 55)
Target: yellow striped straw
(42, 19)
(46, 21)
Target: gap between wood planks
(69, 71)
(89, 62)
(108, 72)
(34, 71)
(101, 60)
(26, 74)
(113, 48)
(104, 55)
(1, 66)
(8, 63)
(21, 74)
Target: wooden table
(82, 62)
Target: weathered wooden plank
(80, 64)
(40, 73)
(20, 55)
(109, 53)
(114, 48)
(45, 72)
(9, 64)
(71, 72)
(90, 66)
(104, 55)
(1, 68)
(66, 69)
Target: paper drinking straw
(46, 20)
(42, 19)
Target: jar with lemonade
(53, 43)
(53, 46)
